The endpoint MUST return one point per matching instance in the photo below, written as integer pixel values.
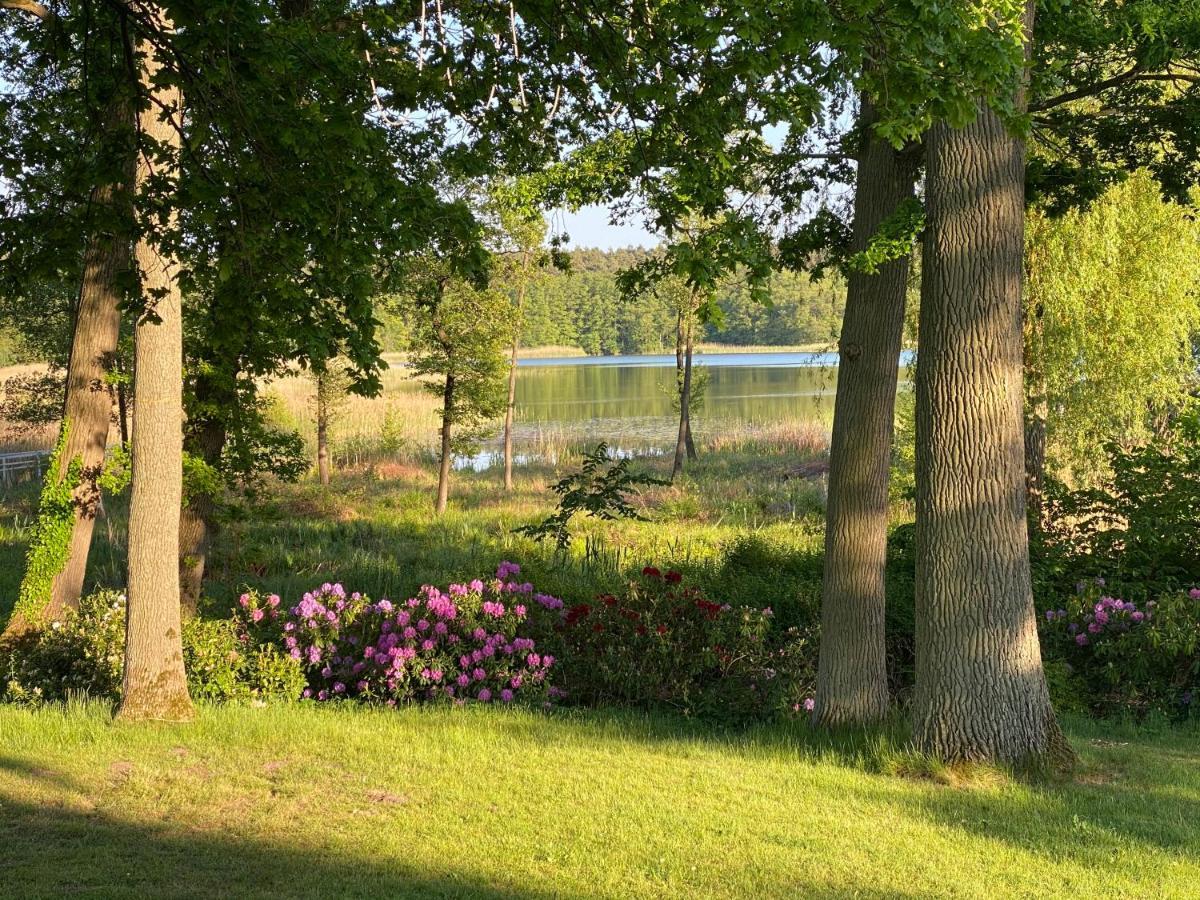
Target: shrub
(83, 654)
(662, 643)
(469, 642)
(1118, 655)
(223, 665)
(80, 654)
(1140, 529)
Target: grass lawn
(319, 802)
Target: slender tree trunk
(981, 692)
(852, 683)
(447, 457)
(155, 685)
(1036, 415)
(123, 413)
(510, 409)
(323, 429)
(685, 402)
(197, 520)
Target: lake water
(628, 401)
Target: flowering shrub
(1119, 655)
(80, 654)
(469, 642)
(663, 643)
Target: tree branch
(1091, 90)
(28, 6)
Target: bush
(223, 665)
(1140, 529)
(664, 644)
(80, 654)
(1112, 655)
(469, 642)
(83, 654)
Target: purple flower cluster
(463, 643)
(1107, 614)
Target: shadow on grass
(53, 852)
(48, 852)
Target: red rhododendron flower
(575, 613)
(674, 577)
(661, 629)
(651, 572)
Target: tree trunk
(87, 408)
(155, 685)
(123, 413)
(687, 436)
(980, 693)
(443, 493)
(1037, 413)
(852, 683)
(197, 521)
(510, 409)
(685, 402)
(323, 429)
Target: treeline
(584, 308)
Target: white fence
(15, 467)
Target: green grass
(320, 802)
(740, 523)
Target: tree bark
(87, 412)
(205, 439)
(510, 409)
(323, 429)
(87, 407)
(443, 492)
(123, 413)
(1037, 413)
(155, 686)
(685, 402)
(981, 692)
(852, 685)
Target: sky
(590, 227)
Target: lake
(628, 401)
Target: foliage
(1112, 308)
(31, 400)
(1140, 528)
(82, 653)
(661, 643)
(470, 642)
(222, 664)
(1123, 657)
(598, 489)
(460, 337)
(50, 545)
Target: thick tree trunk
(447, 457)
(981, 692)
(87, 408)
(852, 683)
(155, 685)
(510, 409)
(322, 430)
(685, 403)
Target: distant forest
(583, 308)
